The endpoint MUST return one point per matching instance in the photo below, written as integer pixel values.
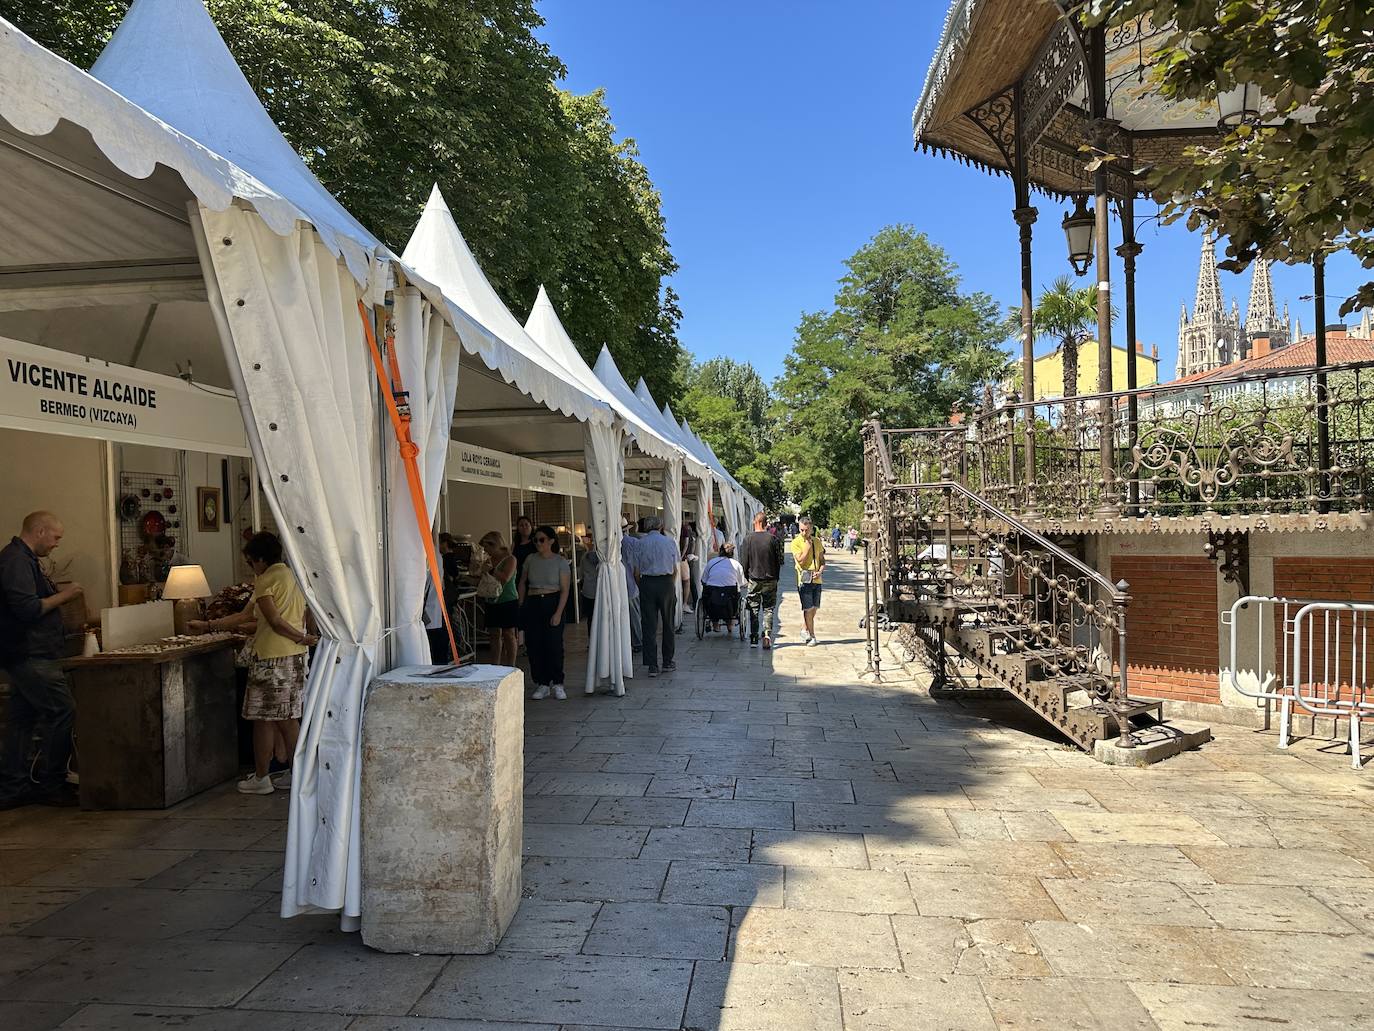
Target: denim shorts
(810, 595)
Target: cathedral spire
(1209, 302)
(1260, 316)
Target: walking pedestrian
(761, 558)
(853, 536)
(656, 568)
(31, 644)
(545, 581)
(808, 552)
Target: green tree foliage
(902, 342)
(383, 98)
(729, 405)
(1301, 183)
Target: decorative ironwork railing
(1279, 444)
(938, 543)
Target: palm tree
(1068, 315)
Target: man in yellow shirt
(808, 554)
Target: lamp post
(1078, 232)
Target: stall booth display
(231, 269)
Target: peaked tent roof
(669, 429)
(195, 86)
(609, 374)
(438, 252)
(547, 330)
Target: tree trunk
(1071, 387)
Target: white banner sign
(469, 463)
(51, 391)
(643, 497)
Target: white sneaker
(559, 693)
(806, 637)
(540, 693)
(255, 785)
(281, 781)
(811, 642)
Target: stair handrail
(1117, 592)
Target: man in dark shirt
(31, 645)
(761, 556)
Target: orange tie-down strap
(398, 407)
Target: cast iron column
(1323, 413)
(1129, 251)
(1097, 89)
(1025, 216)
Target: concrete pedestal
(442, 809)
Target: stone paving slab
(643, 993)
(864, 855)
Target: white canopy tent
(194, 202)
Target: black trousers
(543, 643)
(439, 651)
(657, 610)
(40, 699)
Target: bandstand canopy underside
(1009, 72)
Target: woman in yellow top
(808, 552)
(276, 676)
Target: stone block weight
(442, 809)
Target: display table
(153, 728)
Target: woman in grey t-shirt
(545, 578)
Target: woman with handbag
(496, 586)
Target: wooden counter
(153, 728)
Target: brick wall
(1171, 626)
(1326, 579)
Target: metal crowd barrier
(1323, 661)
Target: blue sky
(779, 135)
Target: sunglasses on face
(543, 540)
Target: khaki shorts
(276, 688)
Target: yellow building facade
(1049, 370)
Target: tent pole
(383, 480)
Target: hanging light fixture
(1238, 105)
(1078, 231)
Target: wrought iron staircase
(977, 589)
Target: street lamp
(1239, 105)
(1078, 230)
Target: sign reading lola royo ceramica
(469, 463)
(51, 391)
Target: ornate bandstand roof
(1014, 72)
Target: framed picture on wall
(207, 509)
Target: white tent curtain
(704, 516)
(427, 353)
(608, 644)
(672, 521)
(294, 344)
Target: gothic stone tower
(1261, 317)
(1211, 336)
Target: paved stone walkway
(761, 841)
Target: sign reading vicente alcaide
(51, 391)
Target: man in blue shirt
(31, 645)
(656, 558)
(628, 541)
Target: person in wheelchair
(722, 586)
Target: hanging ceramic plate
(153, 524)
(128, 507)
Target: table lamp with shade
(187, 587)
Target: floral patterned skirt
(276, 688)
